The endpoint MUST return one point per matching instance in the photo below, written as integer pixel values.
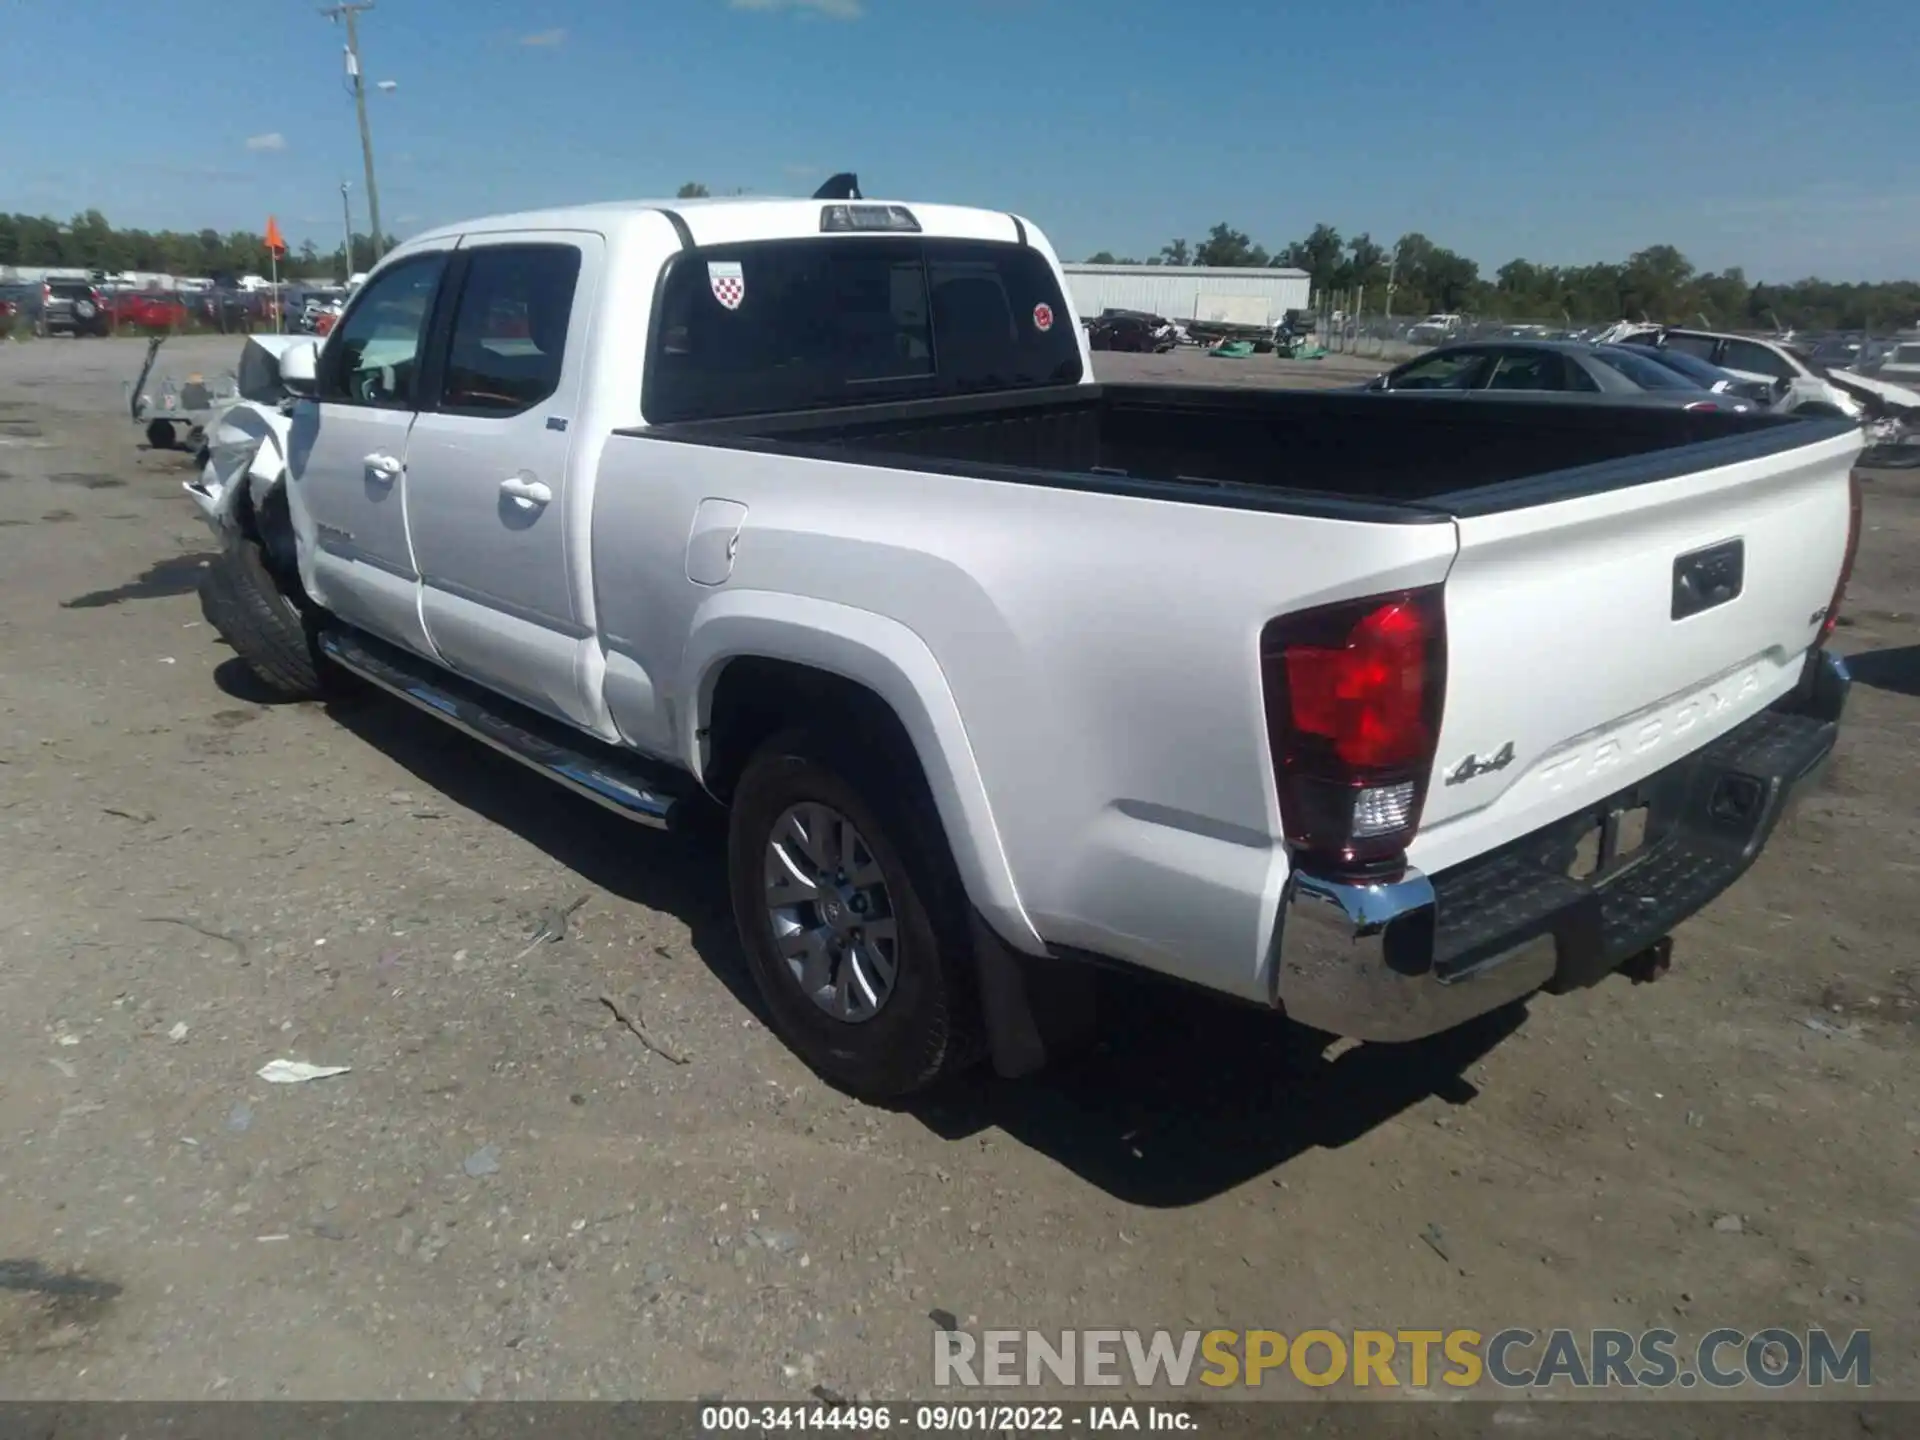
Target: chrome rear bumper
(1410, 958)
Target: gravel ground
(508, 1195)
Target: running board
(625, 784)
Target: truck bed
(1088, 572)
(1346, 453)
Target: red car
(148, 310)
(9, 312)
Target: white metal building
(1219, 293)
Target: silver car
(1563, 367)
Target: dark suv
(72, 307)
(1131, 330)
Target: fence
(1349, 325)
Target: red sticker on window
(1043, 316)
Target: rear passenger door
(489, 489)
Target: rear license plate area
(1611, 841)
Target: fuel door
(714, 539)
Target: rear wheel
(851, 914)
(160, 434)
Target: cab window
(1757, 360)
(373, 356)
(510, 328)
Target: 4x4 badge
(1473, 767)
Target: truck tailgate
(1594, 640)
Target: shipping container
(1221, 294)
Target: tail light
(1353, 694)
(1702, 405)
(1846, 560)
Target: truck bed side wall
(1095, 779)
(1364, 447)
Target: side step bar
(625, 784)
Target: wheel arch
(789, 653)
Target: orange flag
(275, 241)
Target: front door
(488, 491)
(347, 453)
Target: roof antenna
(844, 186)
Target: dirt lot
(509, 1196)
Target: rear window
(1690, 366)
(1701, 346)
(799, 324)
(71, 289)
(1647, 373)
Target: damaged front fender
(246, 442)
(246, 461)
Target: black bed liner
(1344, 454)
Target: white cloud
(832, 9)
(272, 140)
(545, 39)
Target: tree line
(1657, 283)
(89, 242)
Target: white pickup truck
(1377, 712)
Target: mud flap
(1036, 1009)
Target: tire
(927, 1026)
(266, 627)
(160, 434)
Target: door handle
(383, 467)
(527, 494)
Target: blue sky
(1774, 134)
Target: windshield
(1643, 370)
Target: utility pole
(1393, 271)
(348, 11)
(346, 215)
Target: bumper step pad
(1707, 819)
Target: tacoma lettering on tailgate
(1662, 728)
